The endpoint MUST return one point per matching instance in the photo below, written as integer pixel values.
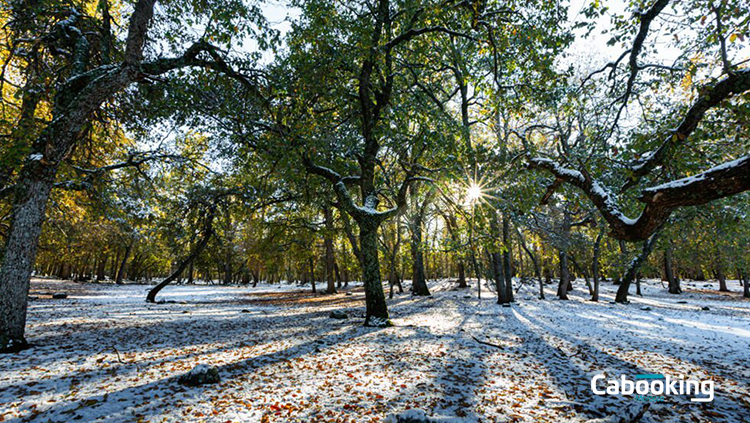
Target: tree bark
(100, 267)
(376, 309)
(20, 252)
(722, 277)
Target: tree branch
(139, 20)
(721, 181)
(735, 83)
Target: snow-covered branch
(735, 83)
(721, 181)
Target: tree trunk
(312, 275)
(746, 284)
(673, 282)
(547, 272)
(338, 274)
(123, 263)
(462, 274)
(638, 285)
(190, 273)
(199, 247)
(722, 277)
(100, 267)
(496, 261)
(633, 267)
(418, 279)
(20, 252)
(114, 265)
(582, 270)
(534, 261)
(377, 310)
(595, 264)
(507, 262)
(562, 287)
(328, 244)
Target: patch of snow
(105, 355)
(699, 177)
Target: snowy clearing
(104, 354)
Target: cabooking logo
(654, 387)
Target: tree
(88, 74)
(648, 148)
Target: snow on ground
(103, 354)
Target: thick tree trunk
(722, 277)
(123, 263)
(634, 267)
(462, 274)
(20, 252)
(377, 310)
(497, 274)
(228, 272)
(746, 284)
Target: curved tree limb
(721, 181)
(735, 83)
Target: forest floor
(103, 354)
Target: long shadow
(182, 347)
(575, 382)
(228, 371)
(653, 329)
